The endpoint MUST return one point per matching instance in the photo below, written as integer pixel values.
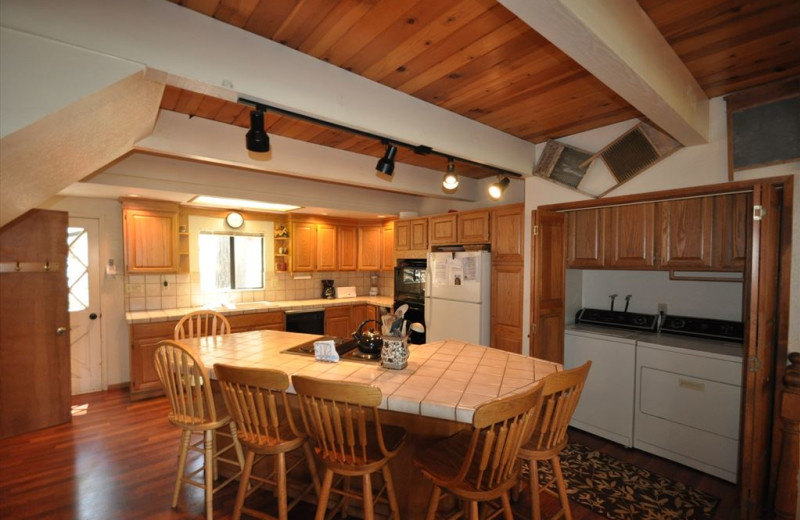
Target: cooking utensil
(401, 311)
(369, 342)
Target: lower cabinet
(606, 404)
(145, 336)
(337, 321)
(506, 319)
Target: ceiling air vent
(563, 164)
(636, 150)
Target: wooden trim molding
(787, 505)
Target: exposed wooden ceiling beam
(616, 42)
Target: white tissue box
(325, 350)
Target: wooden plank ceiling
(475, 58)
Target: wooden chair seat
(257, 401)
(188, 389)
(561, 393)
(480, 465)
(343, 423)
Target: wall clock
(234, 220)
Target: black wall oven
(409, 289)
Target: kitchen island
(435, 396)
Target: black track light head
(257, 138)
(386, 163)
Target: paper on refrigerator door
(455, 271)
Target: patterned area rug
(622, 491)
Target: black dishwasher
(308, 321)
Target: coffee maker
(327, 289)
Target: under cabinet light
(223, 202)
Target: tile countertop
(252, 307)
(445, 379)
(708, 347)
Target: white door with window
(83, 279)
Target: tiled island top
(445, 379)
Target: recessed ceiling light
(223, 202)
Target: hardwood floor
(117, 460)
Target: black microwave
(409, 280)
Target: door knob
(93, 316)
(61, 331)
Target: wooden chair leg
(390, 494)
(208, 449)
(324, 494)
(312, 467)
(184, 450)
(533, 484)
(243, 485)
(214, 454)
(433, 505)
(283, 497)
(562, 487)
(369, 509)
(473, 510)
(507, 512)
(236, 444)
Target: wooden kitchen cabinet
(337, 321)
(443, 229)
(273, 320)
(326, 247)
(629, 241)
(684, 228)
(304, 246)
(508, 240)
(369, 248)
(585, 238)
(144, 337)
(506, 313)
(411, 238)
(358, 315)
(473, 227)
(387, 247)
(730, 234)
(150, 235)
(347, 237)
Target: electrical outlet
(662, 308)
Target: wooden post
(786, 499)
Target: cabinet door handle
(691, 385)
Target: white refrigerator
(457, 296)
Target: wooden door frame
(751, 448)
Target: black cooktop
(347, 348)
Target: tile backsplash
(172, 291)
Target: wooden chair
(188, 388)
(343, 423)
(257, 402)
(199, 324)
(480, 464)
(561, 393)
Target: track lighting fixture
(450, 179)
(496, 190)
(257, 138)
(258, 141)
(386, 163)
